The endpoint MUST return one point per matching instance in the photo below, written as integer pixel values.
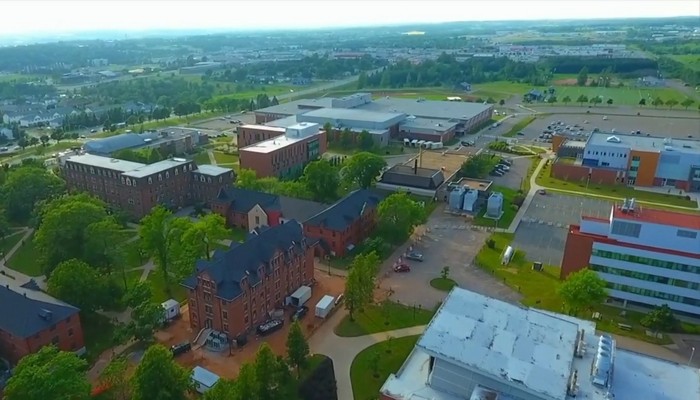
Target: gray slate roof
(345, 211)
(422, 178)
(228, 267)
(21, 309)
(118, 142)
(243, 200)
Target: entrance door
(208, 323)
(631, 181)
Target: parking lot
(451, 242)
(224, 124)
(518, 173)
(542, 231)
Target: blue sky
(63, 16)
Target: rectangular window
(636, 158)
(686, 234)
(70, 332)
(224, 315)
(623, 228)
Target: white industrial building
(479, 348)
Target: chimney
(415, 167)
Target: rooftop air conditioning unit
(613, 139)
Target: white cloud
(30, 16)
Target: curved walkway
(342, 350)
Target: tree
(445, 272)
(581, 290)
(595, 100)
(223, 390)
(206, 233)
(582, 99)
(671, 103)
(477, 166)
(566, 100)
(247, 179)
(78, 284)
(362, 169)
(159, 377)
(44, 139)
(58, 135)
(161, 234)
(27, 186)
(657, 102)
(582, 77)
(60, 375)
(552, 99)
(274, 101)
(642, 102)
(322, 180)
(272, 378)
(115, 378)
(660, 319)
(501, 102)
(33, 141)
(100, 249)
(610, 101)
(297, 348)
(328, 128)
(64, 220)
(365, 141)
(687, 103)
(146, 318)
(397, 215)
(359, 286)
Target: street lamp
(692, 353)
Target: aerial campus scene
(327, 201)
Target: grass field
(372, 366)
(428, 93)
(25, 259)
(159, 291)
(9, 241)
(224, 159)
(384, 317)
(444, 284)
(691, 61)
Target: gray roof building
(212, 170)
(347, 210)
(160, 166)
(228, 268)
(456, 110)
(352, 118)
(115, 143)
(105, 162)
(26, 312)
(243, 200)
(420, 178)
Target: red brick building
(136, 188)
(285, 155)
(252, 134)
(345, 224)
(239, 288)
(31, 319)
(249, 209)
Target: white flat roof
(262, 127)
(105, 162)
(271, 145)
(213, 170)
(524, 346)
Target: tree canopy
(26, 186)
(78, 284)
(660, 319)
(322, 180)
(582, 289)
(297, 347)
(359, 286)
(159, 377)
(49, 373)
(397, 215)
(363, 169)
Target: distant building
(480, 348)
(136, 188)
(345, 224)
(201, 67)
(534, 95)
(169, 141)
(416, 180)
(31, 319)
(239, 288)
(285, 155)
(648, 257)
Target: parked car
(542, 192)
(467, 143)
(300, 313)
(507, 162)
(415, 256)
(503, 167)
(269, 326)
(181, 348)
(521, 134)
(402, 268)
(93, 130)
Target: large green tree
(582, 77)
(477, 166)
(223, 390)
(62, 232)
(362, 169)
(660, 319)
(161, 237)
(78, 284)
(297, 348)
(159, 377)
(322, 180)
(272, 378)
(364, 140)
(205, 233)
(26, 186)
(359, 286)
(100, 246)
(146, 315)
(582, 289)
(49, 374)
(397, 215)
(115, 378)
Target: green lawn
(519, 126)
(237, 234)
(202, 158)
(25, 259)
(444, 284)
(619, 192)
(691, 61)
(539, 288)
(367, 377)
(223, 158)
(160, 294)
(99, 334)
(509, 210)
(383, 317)
(8, 242)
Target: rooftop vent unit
(45, 314)
(613, 139)
(668, 141)
(668, 148)
(602, 371)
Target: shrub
(518, 200)
(491, 244)
(320, 384)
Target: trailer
(203, 379)
(324, 306)
(299, 297)
(171, 309)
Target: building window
(209, 180)
(70, 332)
(128, 182)
(224, 315)
(176, 171)
(257, 220)
(160, 178)
(626, 229)
(201, 178)
(208, 309)
(226, 328)
(150, 180)
(131, 201)
(167, 174)
(686, 234)
(635, 158)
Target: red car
(402, 268)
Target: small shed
(171, 309)
(324, 306)
(203, 379)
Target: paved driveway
(449, 242)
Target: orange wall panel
(648, 162)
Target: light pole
(692, 353)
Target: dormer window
(201, 178)
(209, 180)
(128, 182)
(150, 180)
(160, 177)
(167, 174)
(176, 171)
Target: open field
(372, 366)
(691, 61)
(25, 260)
(386, 316)
(428, 93)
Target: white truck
(299, 297)
(171, 310)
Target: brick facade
(577, 252)
(578, 173)
(338, 241)
(284, 161)
(251, 134)
(67, 335)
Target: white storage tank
(456, 198)
(507, 255)
(494, 206)
(470, 199)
